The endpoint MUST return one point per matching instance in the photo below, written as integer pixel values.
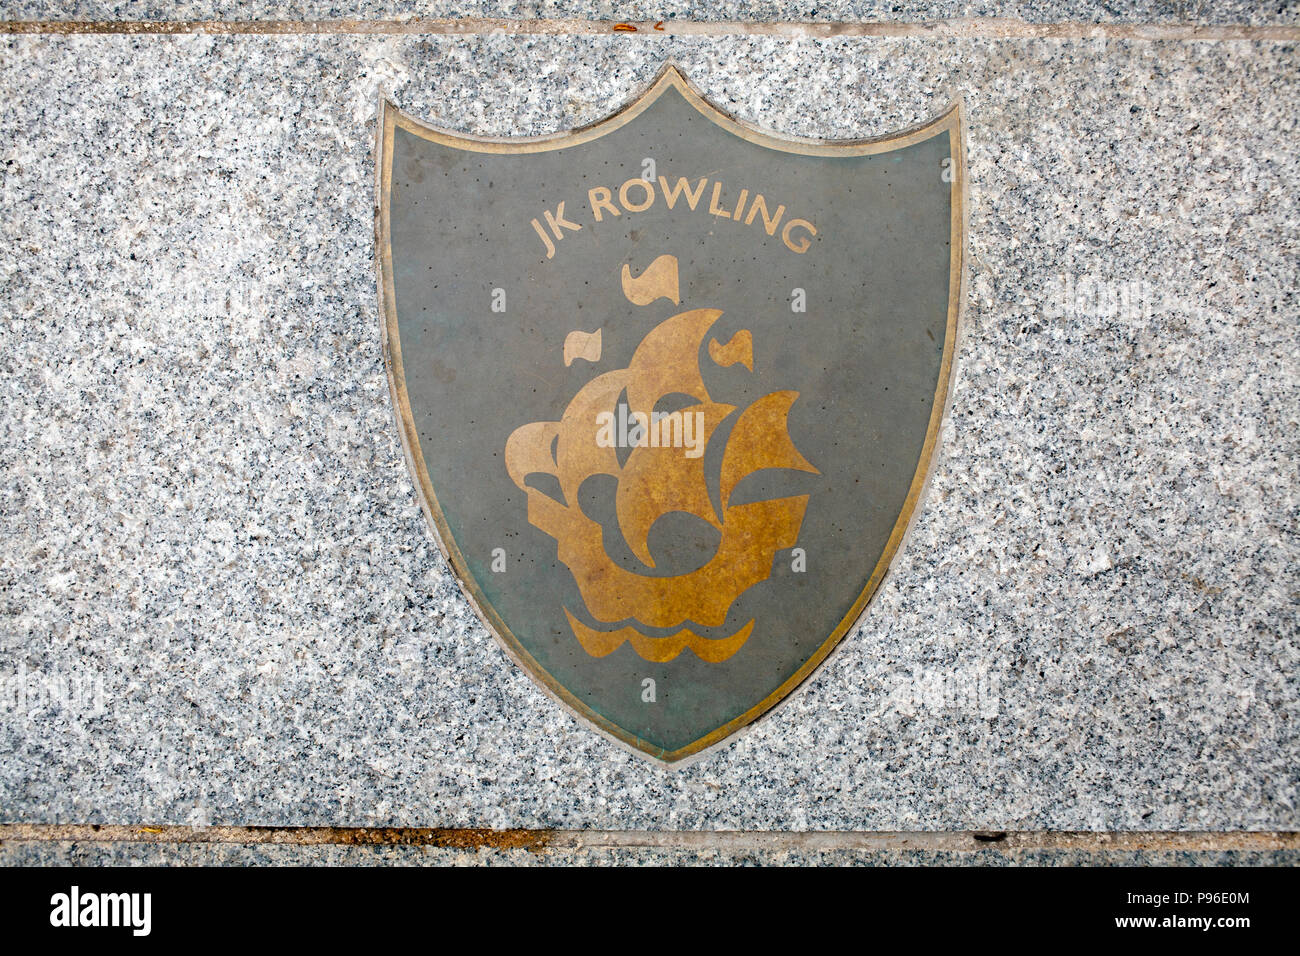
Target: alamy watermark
(933, 691)
(1101, 297)
(629, 429)
(78, 692)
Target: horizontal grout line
(969, 28)
(735, 840)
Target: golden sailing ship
(659, 475)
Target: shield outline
(950, 120)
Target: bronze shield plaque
(670, 388)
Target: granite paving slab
(220, 601)
(1032, 11)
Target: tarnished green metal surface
(670, 388)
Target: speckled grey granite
(198, 854)
(205, 507)
(1033, 11)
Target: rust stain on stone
(545, 841)
(469, 838)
